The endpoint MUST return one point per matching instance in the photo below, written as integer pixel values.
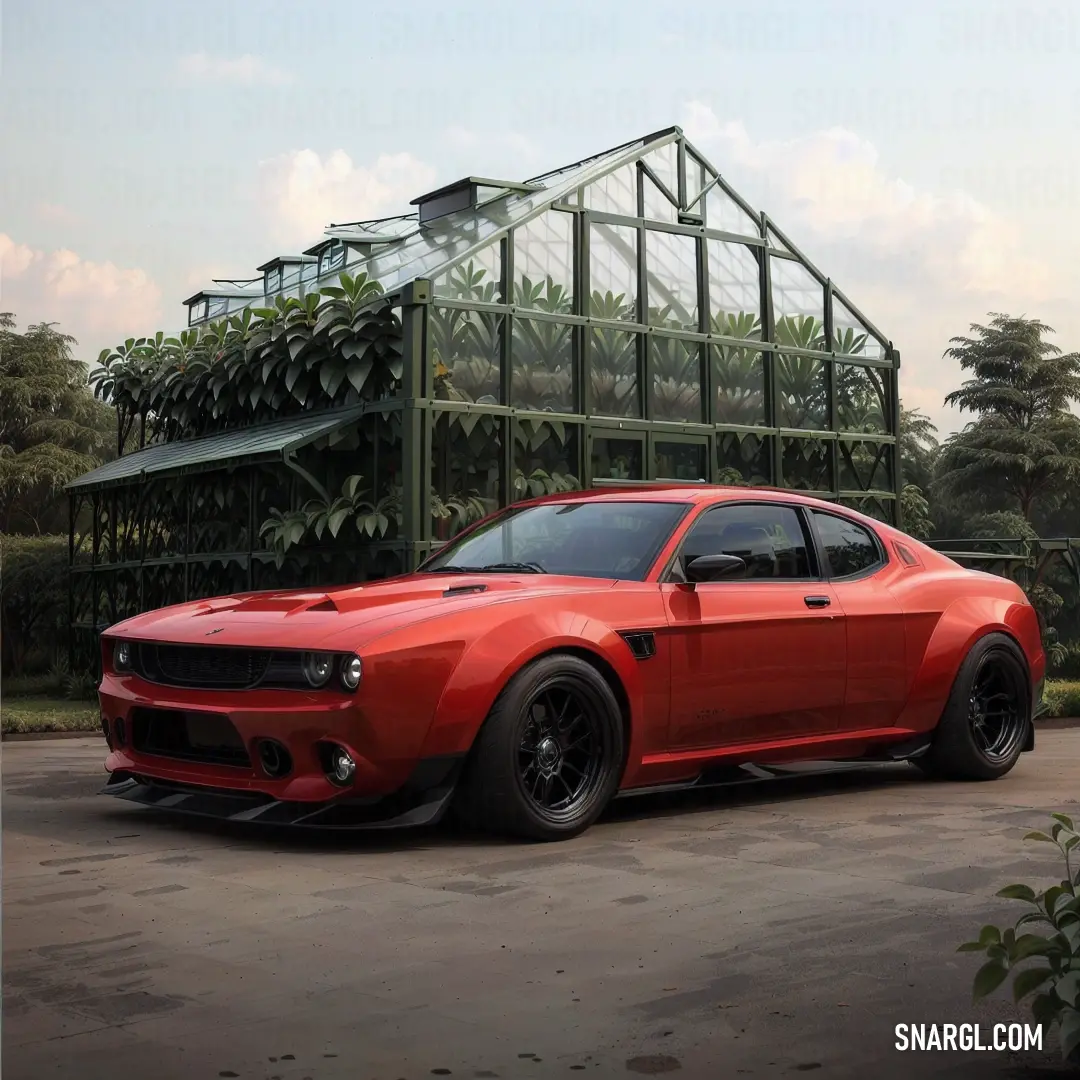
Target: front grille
(209, 738)
(210, 667)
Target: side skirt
(422, 800)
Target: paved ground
(766, 931)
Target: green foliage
(1050, 938)
(1025, 443)
(1062, 697)
(334, 347)
(915, 511)
(373, 518)
(33, 598)
(24, 715)
(51, 428)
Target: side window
(768, 538)
(849, 548)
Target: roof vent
(466, 194)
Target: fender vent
(642, 643)
(464, 590)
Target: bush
(33, 601)
(1062, 697)
(1055, 981)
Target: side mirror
(714, 567)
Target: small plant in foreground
(1055, 980)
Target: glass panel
(615, 193)
(851, 337)
(671, 261)
(617, 459)
(613, 372)
(865, 466)
(724, 214)
(542, 366)
(676, 383)
(466, 351)
(879, 509)
(734, 289)
(547, 458)
(664, 162)
(681, 461)
(697, 176)
(806, 464)
(657, 206)
(614, 271)
(798, 305)
(478, 278)
(217, 306)
(774, 241)
(739, 379)
(743, 458)
(803, 391)
(862, 399)
(466, 470)
(544, 263)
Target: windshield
(582, 539)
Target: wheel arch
(491, 662)
(956, 632)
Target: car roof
(684, 493)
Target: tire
(556, 730)
(972, 741)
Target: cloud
(98, 303)
(301, 192)
(511, 144)
(246, 70)
(921, 264)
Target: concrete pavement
(763, 931)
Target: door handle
(817, 601)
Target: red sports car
(570, 649)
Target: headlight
(318, 667)
(352, 671)
(122, 656)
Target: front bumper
(422, 800)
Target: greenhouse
(629, 318)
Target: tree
(1024, 443)
(51, 427)
(919, 448)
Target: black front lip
(422, 800)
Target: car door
(762, 655)
(856, 563)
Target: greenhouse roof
(265, 442)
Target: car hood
(306, 618)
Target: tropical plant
(1055, 981)
(51, 428)
(338, 346)
(613, 358)
(1025, 443)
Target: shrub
(33, 600)
(1055, 981)
(1062, 697)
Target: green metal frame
(420, 405)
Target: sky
(924, 155)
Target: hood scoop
(464, 590)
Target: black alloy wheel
(549, 757)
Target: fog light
(317, 668)
(274, 758)
(342, 766)
(122, 656)
(352, 671)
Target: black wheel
(985, 724)
(549, 756)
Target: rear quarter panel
(946, 610)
